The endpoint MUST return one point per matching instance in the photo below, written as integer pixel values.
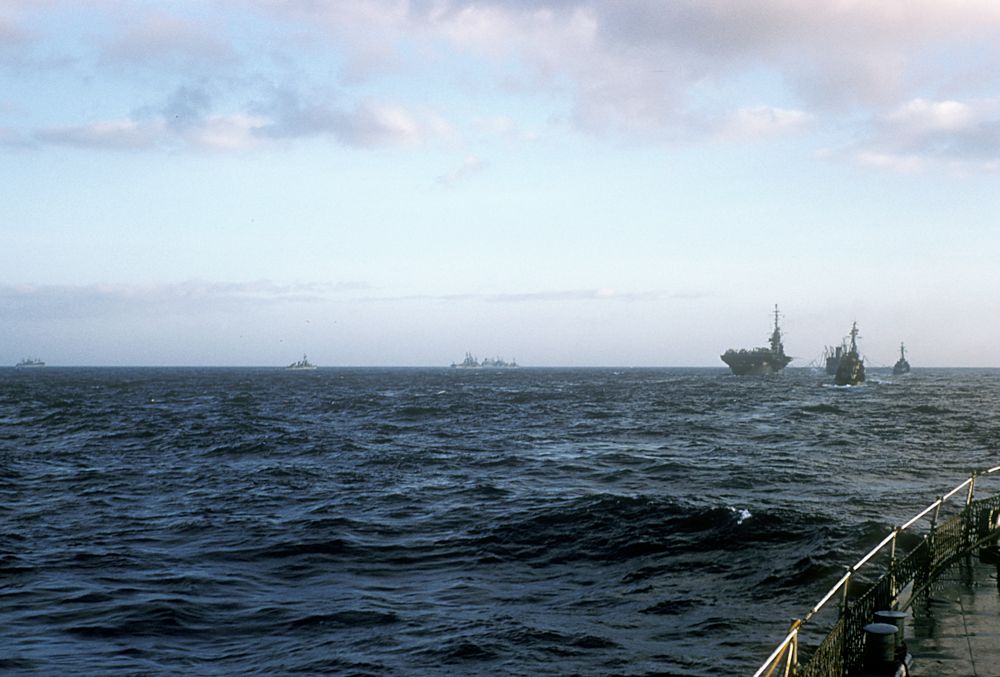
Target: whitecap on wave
(742, 514)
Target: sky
(561, 182)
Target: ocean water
(440, 521)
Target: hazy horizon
(874, 367)
(567, 183)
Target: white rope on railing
(769, 663)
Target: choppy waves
(442, 522)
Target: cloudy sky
(567, 182)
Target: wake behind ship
(759, 360)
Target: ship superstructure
(768, 360)
(901, 366)
(833, 355)
(470, 362)
(302, 365)
(851, 370)
(29, 362)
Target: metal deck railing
(890, 580)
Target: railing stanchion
(967, 526)
(843, 599)
(892, 566)
(792, 664)
(795, 649)
(931, 541)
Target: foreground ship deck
(956, 626)
(948, 540)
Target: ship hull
(901, 367)
(755, 363)
(851, 371)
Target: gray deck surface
(955, 629)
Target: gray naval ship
(851, 368)
(759, 360)
(901, 366)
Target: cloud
(213, 133)
(504, 127)
(646, 70)
(186, 107)
(11, 138)
(371, 34)
(114, 134)
(237, 132)
(922, 132)
(191, 297)
(18, 46)
(11, 35)
(601, 294)
(185, 121)
(636, 66)
(164, 41)
(469, 167)
(762, 122)
(368, 123)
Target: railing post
(844, 648)
(843, 599)
(795, 653)
(968, 524)
(792, 666)
(934, 518)
(892, 567)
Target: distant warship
(301, 365)
(851, 370)
(29, 362)
(471, 362)
(759, 360)
(901, 366)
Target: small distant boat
(901, 366)
(768, 360)
(29, 362)
(470, 362)
(302, 365)
(851, 370)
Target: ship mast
(776, 334)
(902, 351)
(854, 336)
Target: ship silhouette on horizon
(757, 361)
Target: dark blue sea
(445, 521)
